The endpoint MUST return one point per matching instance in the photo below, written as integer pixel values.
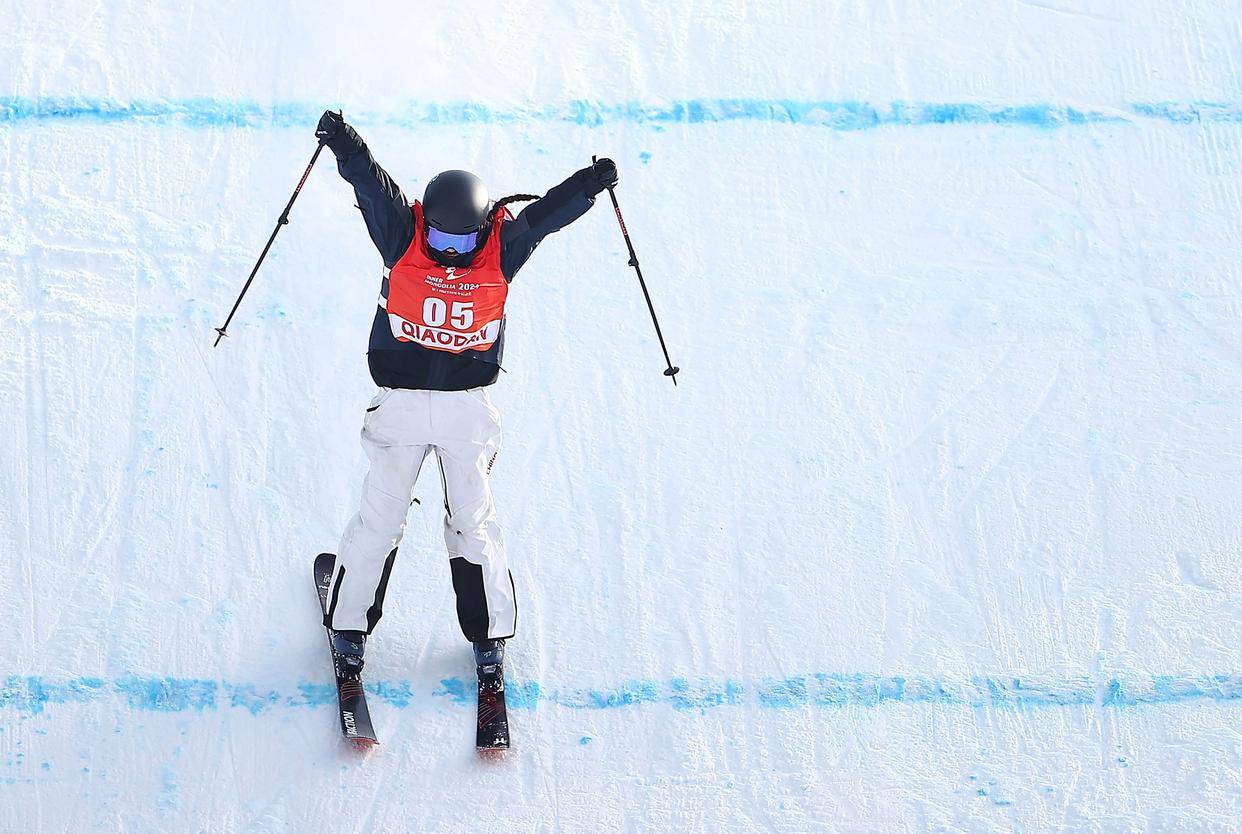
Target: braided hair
(504, 201)
(494, 212)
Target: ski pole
(282, 221)
(670, 371)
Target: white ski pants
(402, 427)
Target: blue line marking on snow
(33, 695)
(167, 694)
(247, 696)
(456, 690)
(836, 115)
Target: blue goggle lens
(440, 241)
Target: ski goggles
(443, 241)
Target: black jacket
(390, 223)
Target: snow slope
(939, 532)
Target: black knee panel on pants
(377, 608)
(471, 599)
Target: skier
(435, 347)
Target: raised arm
(383, 204)
(562, 205)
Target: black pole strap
(282, 221)
(670, 371)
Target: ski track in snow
(940, 530)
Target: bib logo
(451, 273)
(453, 289)
(441, 338)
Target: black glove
(340, 138)
(602, 174)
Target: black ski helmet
(456, 202)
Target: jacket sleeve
(561, 206)
(381, 201)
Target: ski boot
(489, 657)
(348, 647)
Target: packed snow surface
(939, 531)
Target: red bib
(448, 308)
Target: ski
(351, 699)
(493, 723)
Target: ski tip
(492, 754)
(492, 742)
(363, 745)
